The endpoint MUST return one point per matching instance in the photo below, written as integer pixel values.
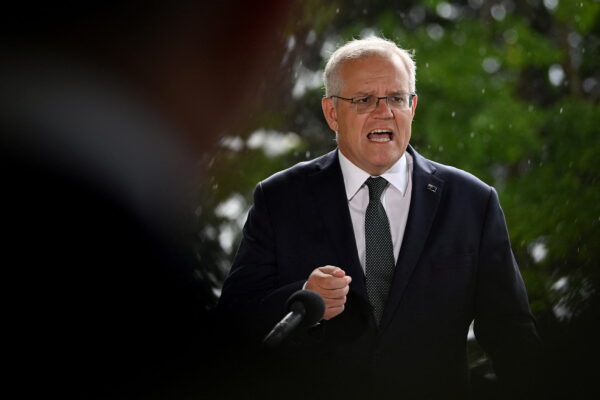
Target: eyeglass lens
(369, 103)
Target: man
(405, 252)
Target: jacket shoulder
(458, 177)
(298, 172)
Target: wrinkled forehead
(361, 73)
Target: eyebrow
(392, 93)
(362, 94)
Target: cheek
(357, 137)
(353, 129)
(404, 125)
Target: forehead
(388, 73)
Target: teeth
(375, 135)
(383, 139)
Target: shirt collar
(354, 177)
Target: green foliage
(581, 14)
(523, 47)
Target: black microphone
(305, 307)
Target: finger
(331, 283)
(338, 273)
(329, 303)
(332, 270)
(335, 293)
(333, 312)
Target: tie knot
(376, 186)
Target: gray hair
(362, 48)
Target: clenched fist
(332, 284)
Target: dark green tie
(379, 265)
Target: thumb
(333, 271)
(338, 273)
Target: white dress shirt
(395, 200)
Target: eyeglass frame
(353, 101)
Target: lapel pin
(431, 188)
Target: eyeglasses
(367, 104)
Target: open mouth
(380, 135)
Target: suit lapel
(426, 194)
(328, 190)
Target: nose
(382, 109)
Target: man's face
(360, 136)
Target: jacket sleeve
(253, 299)
(504, 325)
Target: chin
(379, 167)
(386, 161)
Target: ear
(330, 113)
(414, 105)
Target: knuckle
(330, 302)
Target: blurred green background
(508, 90)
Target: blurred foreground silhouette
(105, 110)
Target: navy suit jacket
(455, 266)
